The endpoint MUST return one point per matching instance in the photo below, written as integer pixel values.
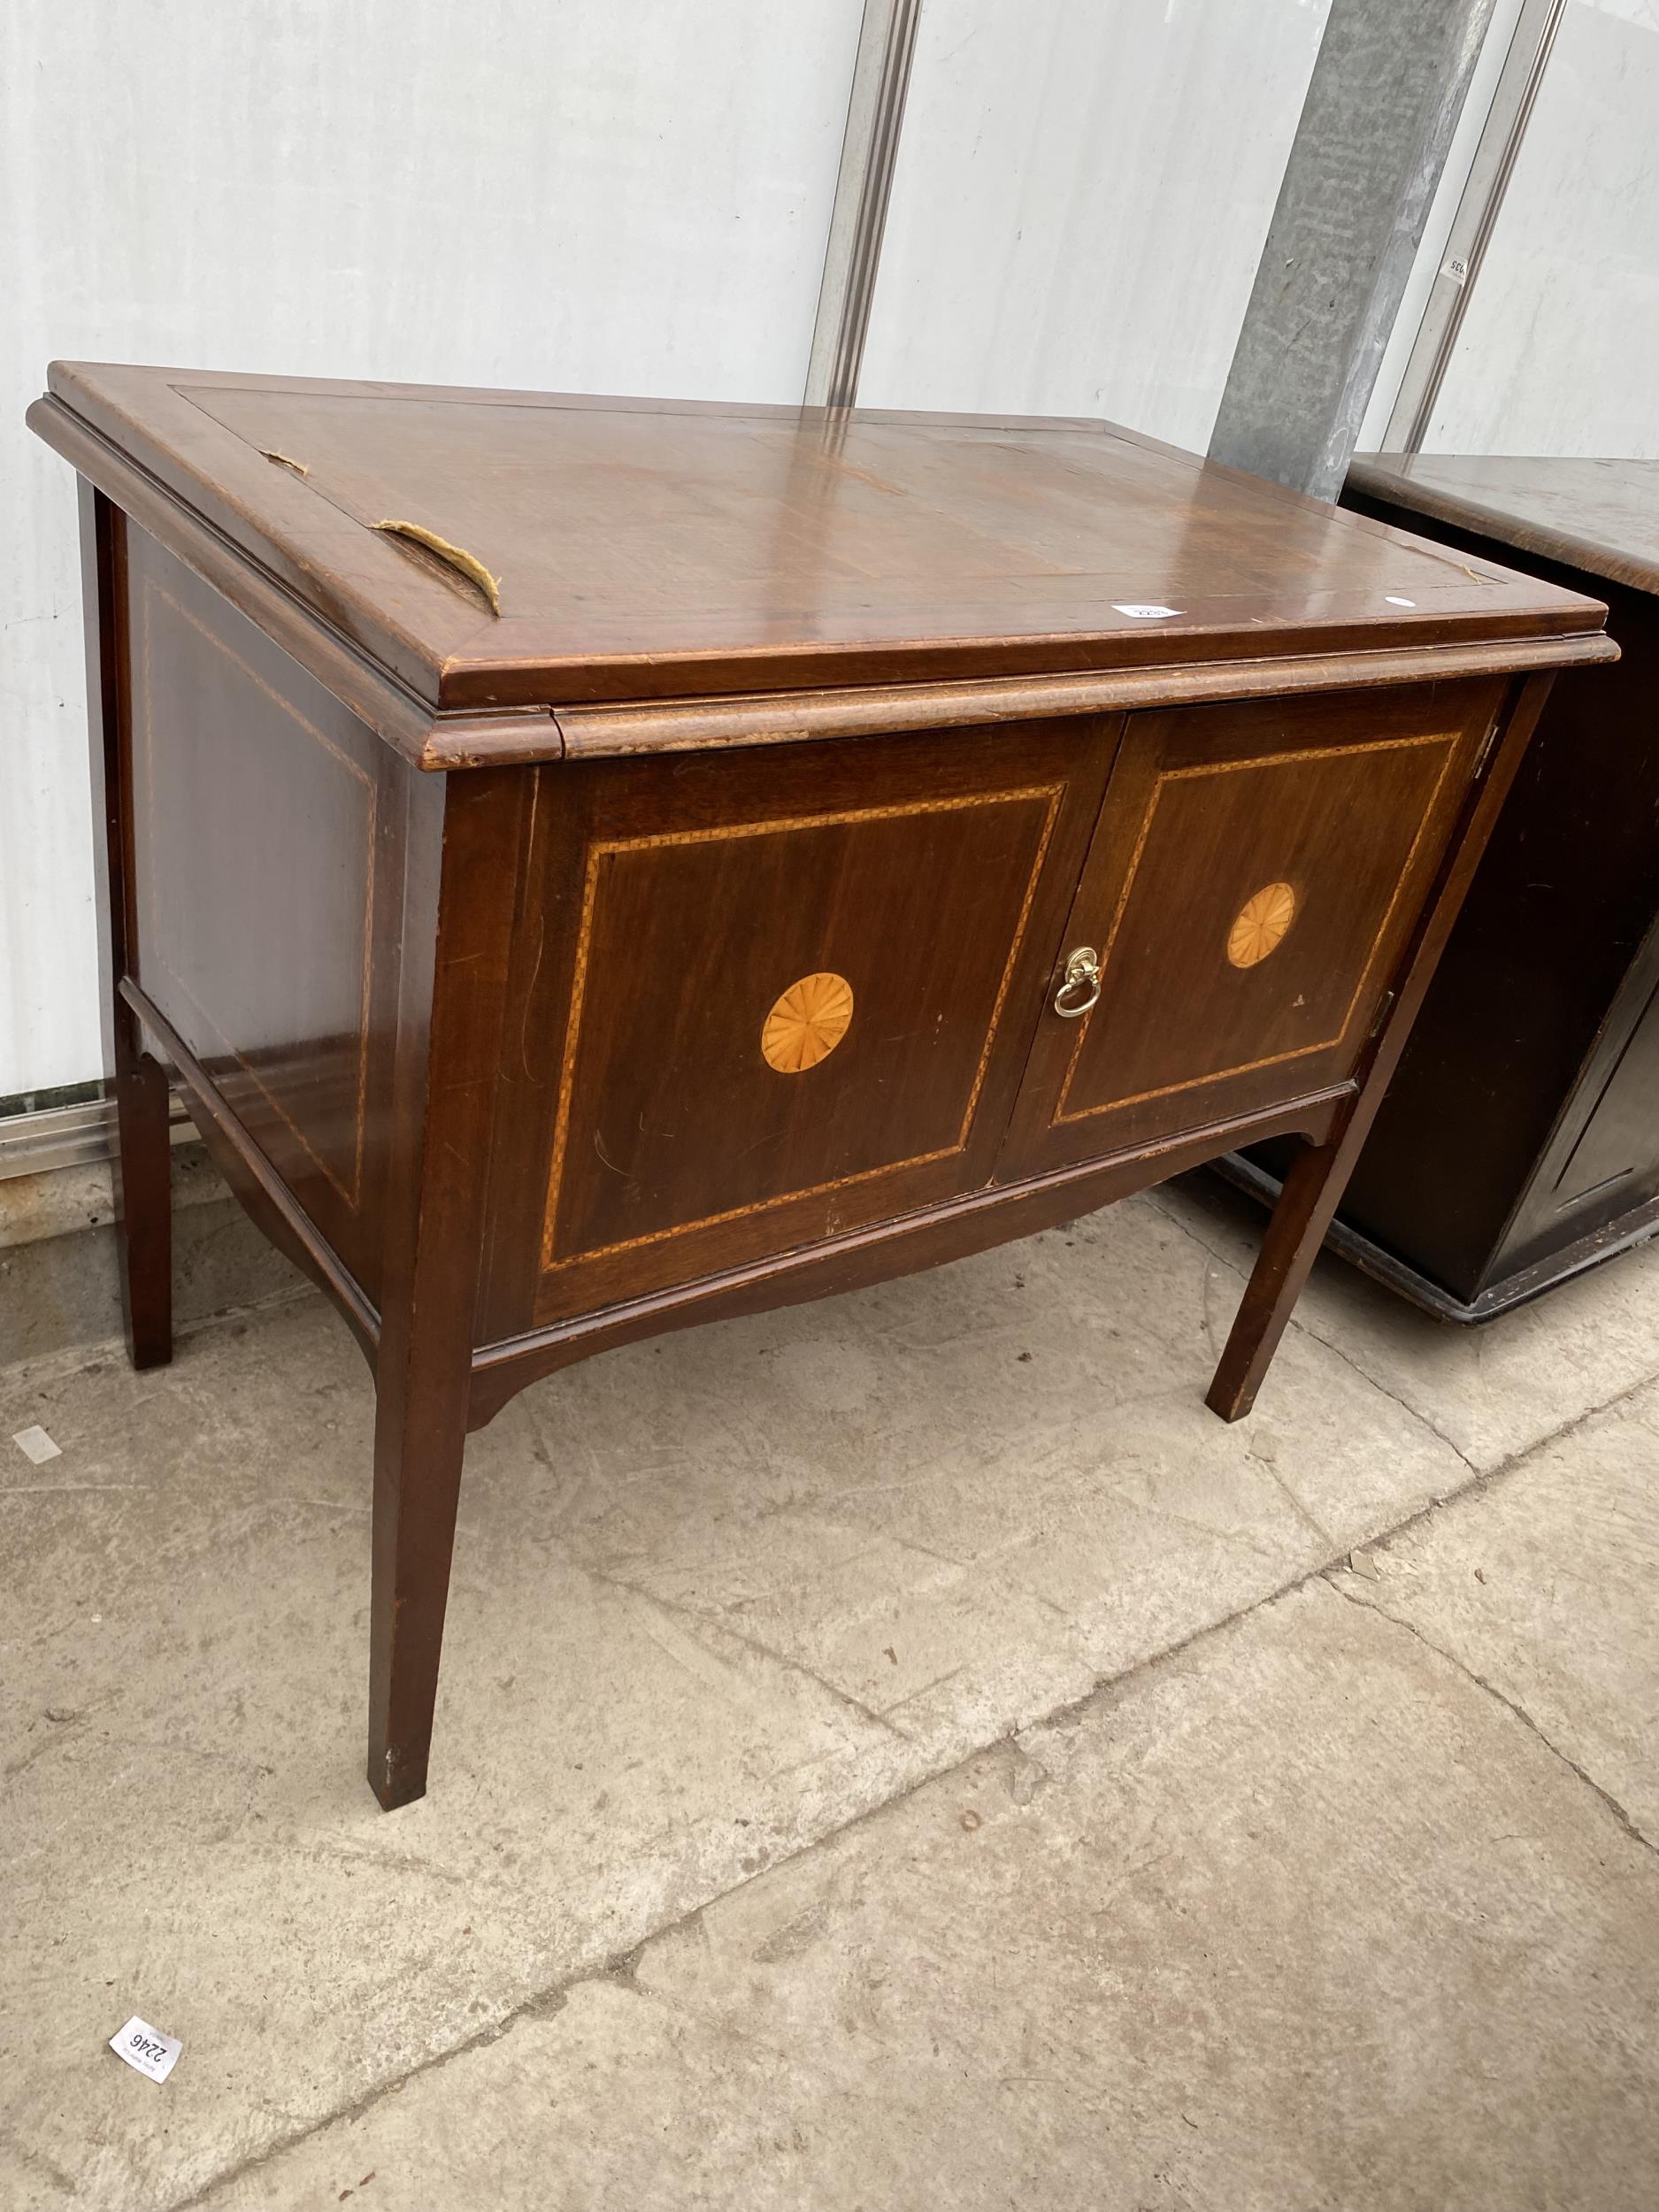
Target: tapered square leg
(419, 1438)
(144, 1201)
(451, 987)
(1295, 1230)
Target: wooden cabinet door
(1602, 1160)
(763, 1001)
(1254, 876)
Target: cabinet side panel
(266, 850)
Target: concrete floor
(899, 1752)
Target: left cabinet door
(766, 997)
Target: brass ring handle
(1082, 973)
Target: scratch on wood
(599, 1147)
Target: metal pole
(1472, 226)
(875, 114)
(1386, 90)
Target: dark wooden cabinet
(1519, 1142)
(595, 866)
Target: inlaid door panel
(760, 1006)
(1246, 898)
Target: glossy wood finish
(1519, 1142)
(696, 726)
(687, 940)
(650, 549)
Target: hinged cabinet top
(668, 549)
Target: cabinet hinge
(1488, 746)
(1385, 1009)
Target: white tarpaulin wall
(1080, 202)
(580, 193)
(635, 198)
(1559, 350)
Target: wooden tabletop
(1600, 516)
(657, 549)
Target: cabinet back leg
(141, 1163)
(141, 1168)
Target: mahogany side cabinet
(596, 866)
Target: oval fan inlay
(1260, 926)
(807, 1022)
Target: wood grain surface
(1600, 517)
(665, 549)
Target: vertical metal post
(1471, 233)
(881, 77)
(1376, 127)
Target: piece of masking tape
(468, 563)
(285, 460)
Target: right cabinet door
(1252, 882)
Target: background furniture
(1519, 1141)
(596, 866)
